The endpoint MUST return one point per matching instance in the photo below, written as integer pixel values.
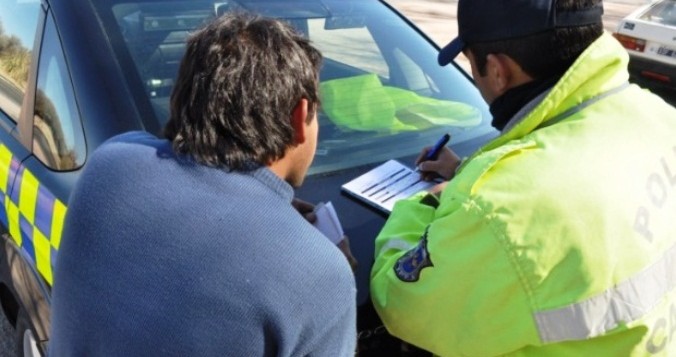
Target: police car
(73, 73)
(649, 35)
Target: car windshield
(663, 13)
(383, 93)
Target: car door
(57, 152)
(20, 25)
(46, 175)
(41, 150)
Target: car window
(352, 46)
(18, 25)
(383, 93)
(58, 139)
(663, 13)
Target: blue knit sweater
(164, 257)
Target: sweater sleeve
(338, 337)
(442, 281)
(331, 325)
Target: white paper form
(386, 184)
(328, 223)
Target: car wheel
(27, 344)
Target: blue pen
(434, 151)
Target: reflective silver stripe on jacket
(523, 112)
(624, 303)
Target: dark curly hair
(238, 83)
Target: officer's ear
(504, 73)
(298, 121)
(499, 73)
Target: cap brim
(452, 50)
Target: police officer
(557, 237)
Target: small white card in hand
(327, 222)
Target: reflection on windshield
(383, 93)
(363, 103)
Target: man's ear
(298, 120)
(499, 73)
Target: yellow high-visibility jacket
(558, 238)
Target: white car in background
(649, 35)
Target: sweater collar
(250, 168)
(274, 182)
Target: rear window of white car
(662, 13)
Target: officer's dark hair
(239, 81)
(547, 53)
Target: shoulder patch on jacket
(408, 267)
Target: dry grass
(14, 59)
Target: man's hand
(306, 209)
(444, 166)
(437, 189)
(344, 246)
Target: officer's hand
(306, 209)
(444, 166)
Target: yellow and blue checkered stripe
(32, 214)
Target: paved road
(7, 345)
(436, 18)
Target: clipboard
(384, 185)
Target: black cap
(493, 20)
